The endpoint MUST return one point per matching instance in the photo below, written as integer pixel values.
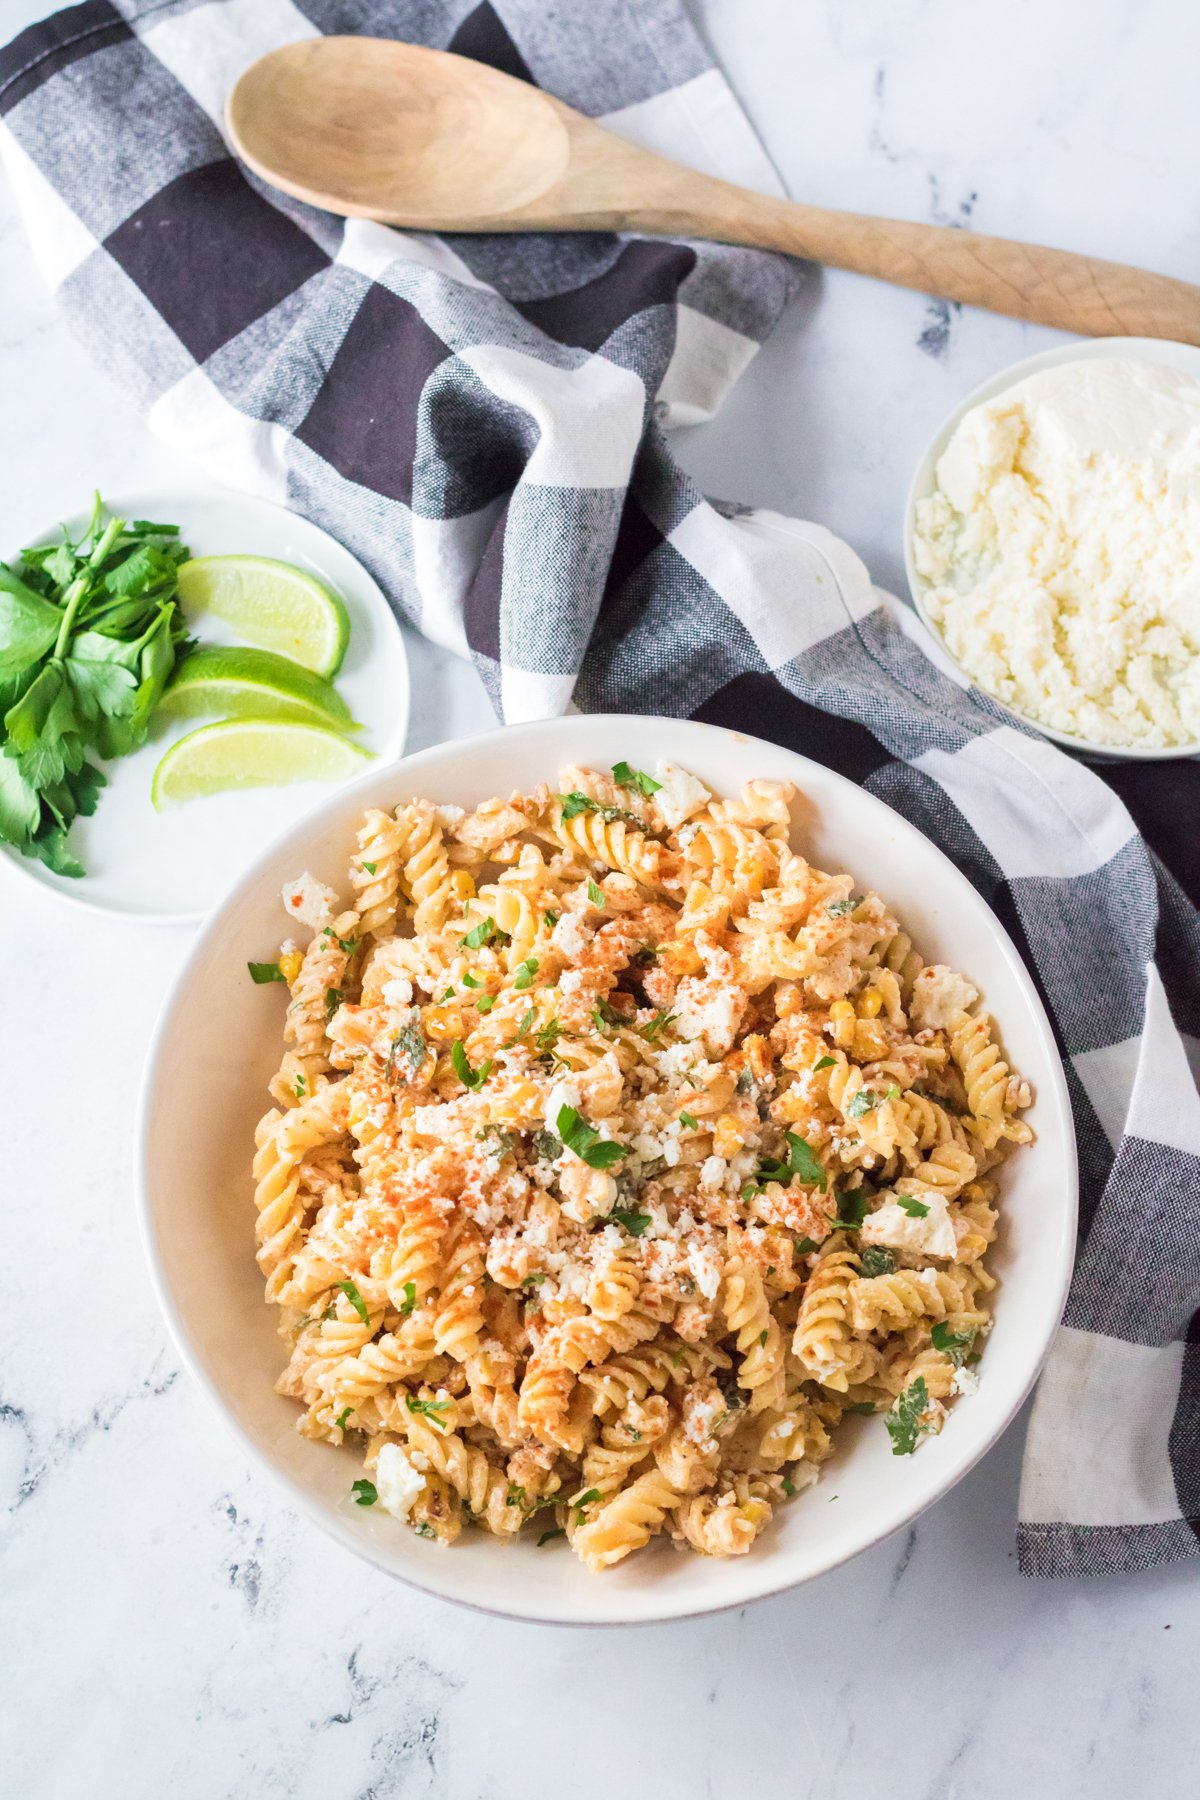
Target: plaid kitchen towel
(484, 422)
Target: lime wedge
(252, 684)
(251, 753)
(271, 604)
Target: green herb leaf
(536, 1279)
(428, 1409)
(527, 1019)
(826, 1062)
(349, 945)
(411, 1043)
(654, 1028)
(788, 1486)
(525, 973)
(837, 909)
(469, 981)
(645, 784)
(805, 1246)
(853, 1207)
(863, 1102)
(470, 1078)
(371, 868)
(261, 973)
(481, 934)
(584, 1140)
(548, 1535)
(861, 1406)
(365, 1493)
(551, 919)
(954, 1343)
(410, 1299)
(916, 1209)
(547, 1146)
(350, 1289)
(424, 1529)
(685, 1118)
(634, 1222)
(877, 1261)
(502, 1140)
(903, 1421)
(333, 999)
(340, 1421)
(594, 894)
(547, 1037)
(485, 1003)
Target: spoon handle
(1026, 281)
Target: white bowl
(169, 868)
(924, 481)
(217, 1043)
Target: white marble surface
(169, 1627)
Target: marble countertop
(171, 1627)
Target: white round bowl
(924, 481)
(217, 1044)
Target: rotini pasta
(621, 1152)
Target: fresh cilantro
(677, 1359)
(260, 973)
(547, 1037)
(340, 1421)
(525, 973)
(654, 1028)
(502, 1139)
(805, 1246)
(448, 995)
(333, 999)
(903, 1422)
(470, 1078)
(428, 1409)
(853, 1206)
(350, 1289)
(575, 803)
(365, 1493)
(645, 784)
(916, 1209)
(583, 1500)
(685, 1118)
(481, 934)
(955, 1344)
(762, 1337)
(527, 1019)
(551, 919)
(301, 1086)
(424, 1529)
(643, 958)
(585, 1140)
(371, 868)
(861, 1406)
(546, 1145)
(410, 1299)
(744, 1082)
(594, 894)
(788, 1486)
(837, 909)
(634, 1222)
(803, 1164)
(470, 981)
(536, 1279)
(485, 1003)
(349, 945)
(826, 1062)
(865, 1101)
(411, 1043)
(548, 1535)
(877, 1261)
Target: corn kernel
(462, 886)
(758, 1055)
(290, 965)
(843, 1019)
(788, 1000)
(870, 1040)
(727, 1136)
(680, 959)
(441, 1022)
(755, 1512)
(870, 1003)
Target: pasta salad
(618, 1154)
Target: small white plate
(172, 867)
(1161, 350)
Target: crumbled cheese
(1060, 546)
(704, 1264)
(309, 901)
(679, 794)
(712, 1018)
(449, 815)
(939, 994)
(712, 1174)
(930, 1235)
(563, 1093)
(397, 1483)
(570, 936)
(966, 1381)
(398, 992)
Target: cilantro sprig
(645, 784)
(802, 1164)
(470, 1078)
(586, 1141)
(903, 1422)
(259, 972)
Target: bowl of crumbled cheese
(1052, 542)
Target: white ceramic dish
(170, 867)
(1163, 350)
(217, 1044)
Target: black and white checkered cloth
(483, 421)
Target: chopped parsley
(547, 1037)
(349, 945)
(585, 1500)
(653, 1029)
(788, 1486)
(410, 1298)
(575, 803)
(481, 934)
(536, 1279)
(852, 1209)
(548, 1535)
(502, 1140)
(411, 1043)
(350, 1289)
(525, 973)
(916, 1209)
(685, 1118)
(261, 973)
(594, 894)
(371, 868)
(645, 784)
(903, 1422)
(485, 1003)
(428, 1409)
(837, 909)
(470, 1078)
(866, 1407)
(546, 1145)
(340, 1421)
(585, 1140)
(955, 1344)
(551, 919)
(826, 1062)
(762, 1337)
(805, 1246)
(301, 1086)
(425, 1529)
(877, 1261)
(365, 1493)
(527, 1019)
(469, 981)
(866, 1100)
(802, 1164)
(448, 995)
(634, 1222)
(333, 999)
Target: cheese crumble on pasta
(618, 1153)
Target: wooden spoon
(422, 138)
